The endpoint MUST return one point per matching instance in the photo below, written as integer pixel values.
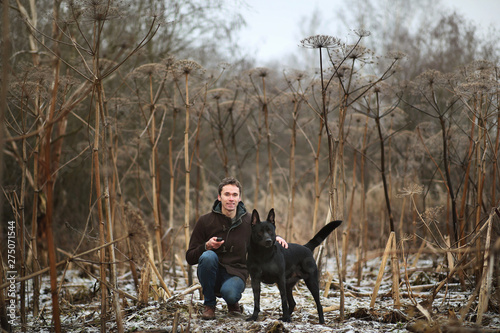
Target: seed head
(358, 52)
(188, 67)
(396, 55)
(362, 33)
(407, 237)
(260, 71)
(481, 65)
(168, 61)
(431, 215)
(342, 71)
(298, 75)
(149, 70)
(411, 190)
(478, 77)
(428, 80)
(99, 10)
(478, 86)
(224, 65)
(320, 41)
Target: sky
(273, 27)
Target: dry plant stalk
(35, 264)
(138, 234)
(156, 198)
(187, 164)
(49, 178)
(463, 202)
(181, 263)
(363, 223)
(387, 250)
(329, 309)
(175, 322)
(425, 312)
(406, 277)
(154, 279)
(338, 264)
(419, 253)
(21, 234)
(171, 169)
(112, 258)
(328, 284)
(157, 273)
(263, 101)
(291, 173)
(359, 262)
(317, 190)
(486, 276)
(186, 291)
(154, 137)
(449, 255)
(144, 285)
(341, 282)
(345, 235)
(265, 108)
(395, 273)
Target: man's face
(229, 197)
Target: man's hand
(213, 244)
(282, 242)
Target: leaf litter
(80, 307)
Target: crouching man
(218, 245)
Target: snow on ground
(80, 307)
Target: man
(222, 270)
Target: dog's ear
(270, 216)
(255, 217)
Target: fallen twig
(185, 291)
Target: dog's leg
(284, 300)
(289, 296)
(313, 286)
(256, 298)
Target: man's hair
(230, 181)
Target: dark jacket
(232, 254)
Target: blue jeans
(216, 281)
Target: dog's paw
(286, 319)
(252, 318)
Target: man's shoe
(235, 308)
(208, 312)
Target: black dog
(269, 262)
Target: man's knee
(208, 258)
(231, 296)
(231, 292)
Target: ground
(80, 307)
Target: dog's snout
(269, 242)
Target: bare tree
(438, 39)
(88, 47)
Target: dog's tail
(322, 234)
